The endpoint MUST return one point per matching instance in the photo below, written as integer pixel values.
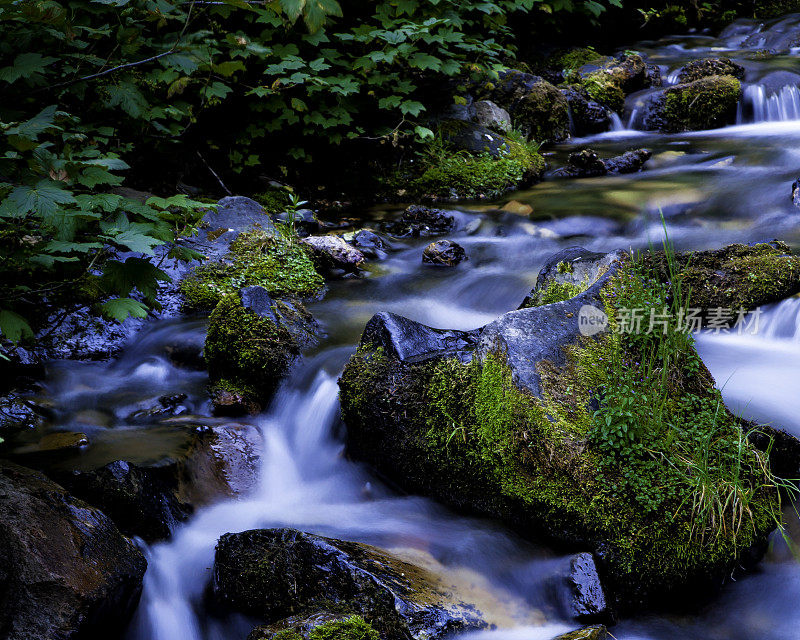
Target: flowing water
(713, 188)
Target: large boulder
(273, 574)
(587, 115)
(66, 571)
(707, 103)
(556, 418)
(333, 252)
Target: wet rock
(489, 115)
(66, 569)
(303, 625)
(139, 500)
(370, 244)
(580, 591)
(232, 216)
(708, 103)
(17, 415)
(251, 343)
(472, 138)
(538, 108)
(165, 406)
(710, 67)
(419, 220)
(628, 162)
(582, 164)
(596, 632)
(444, 253)
(187, 353)
(62, 440)
(588, 116)
(587, 164)
(796, 193)
(776, 81)
(303, 218)
(274, 573)
(332, 252)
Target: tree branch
(111, 70)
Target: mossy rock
(247, 352)
(604, 88)
(504, 422)
(465, 176)
(537, 108)
(697, 69)
(258, 257)
(707, 103)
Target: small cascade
(781, 321)
(616, 123)
(760, 105)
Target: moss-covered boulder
(595, 632)
(708, 103)
(251, 343)
(538, 108)
(562, 422)
(273, 574)
(588, 115)
(257, 257)
(697, 69)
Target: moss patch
(247, 353)
(605, 88)
(706, 103)
(273, 261)
(353, 628)
(481, 175)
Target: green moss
(274, 200)
(706, 103)
(273, 261)
(605, 88)
(481, 175)
(287, 634)
(353, 628)
(246, 351)
(574, 58)
(557, 292)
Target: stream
(713, 188)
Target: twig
(214, 173)
(111, 70)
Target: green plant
(352, 628)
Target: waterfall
(760, 105)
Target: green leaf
(121, 278)
(13, 326)
(26, 65)
(120, 309)
(30, 129)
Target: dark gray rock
(276, 573)
(581, 592)
(66, 571)
(628, 162)
(582, 164)
(472, 138)
(139, 500)
(17, 415)
(409, 341)
(434, 220)
(370, 244)
(491, 116)
(258, 300)
(444, 253)
(796, 193)
(232, 216)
